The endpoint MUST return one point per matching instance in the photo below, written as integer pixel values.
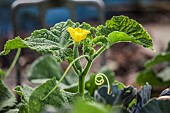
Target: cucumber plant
(63, 42)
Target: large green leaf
(156, 106)
(162, 57)
(55, 41)
(7, 98)
(123, 29)
(45, 67)
(57, 98)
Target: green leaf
(100, 40)
(90, 85)
(156, 106)
(162, 57)
(57, 98)
(150, 76)
(56, 41)
(120, 85)
(7, 98)
(24, 92)
(13, 44)
(122, 29)
(45, 67)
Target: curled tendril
(99, 80)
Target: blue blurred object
(28, 17)
(5, 21)
(56, 15)
(5, 17)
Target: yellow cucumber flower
(78, 34)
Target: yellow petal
(78, 34)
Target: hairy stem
(82, 78)
(76, 54)
(61, 79)
(13, 62)
(75, 69)
(99, 52)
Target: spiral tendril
(99, 80)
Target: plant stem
(61, 79)
(76, 54)
(81, 85)
(86, 70)
(13, 62)
(99, 52)
(75, 69)
(82, 78)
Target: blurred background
(21, 17)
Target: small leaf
(90, 85)
(7, 98)
(162, 57)
(122, 29)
